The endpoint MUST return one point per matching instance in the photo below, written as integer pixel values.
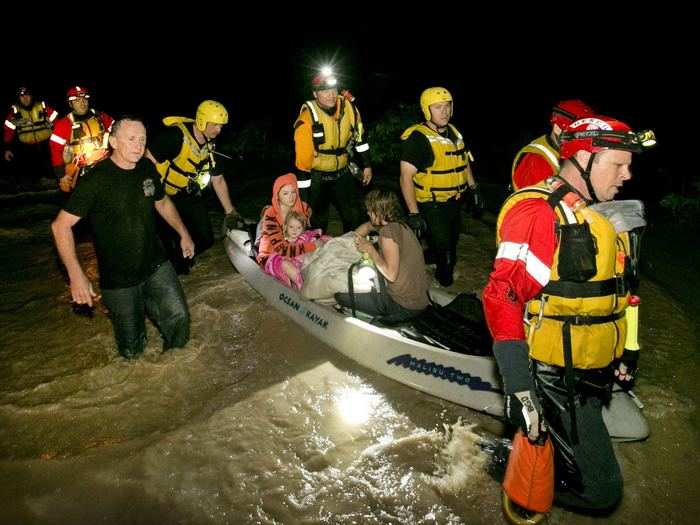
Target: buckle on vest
(330, 176)
(192, 187)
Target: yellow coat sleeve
(303, 142)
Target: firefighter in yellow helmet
(185, 156)
(331, 153)
(435, 173)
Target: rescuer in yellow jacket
(26, 131)
(331, 154)
(185, 156)
(435, 173)
(565, 266)
(539, 159)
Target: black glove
(626, 369)
(524, 411)
(417, 224)
(522, 408)
(478, 203)
(233, 221)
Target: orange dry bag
(529, 480)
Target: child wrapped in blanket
(287, 270)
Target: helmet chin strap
(201, 132)
(586, 176)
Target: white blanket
(325, 270)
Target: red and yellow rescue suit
(87, 137)
(534, 163)
(562, 267)
(528, 275)
(31, 125)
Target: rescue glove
(233, 221)
(417, 224)
(524, 411)
(626, 369)
(522, 407)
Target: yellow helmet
(433, 95)
(210, 111)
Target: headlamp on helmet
(598, 132)
(76, 91)
(646, 138)
(325, 79)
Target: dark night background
(504, 81)
(241, 423)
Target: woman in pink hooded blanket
(284, 240)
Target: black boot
(445, 266)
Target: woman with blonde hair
(398, 259)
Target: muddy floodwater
(254, 421)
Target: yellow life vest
(587, 317)
(31, 125)
(540, 146)
(332, 133)
(192, 165)
(89, 139)
(447, 177)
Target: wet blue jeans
(161, 298)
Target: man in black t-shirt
(118, 198)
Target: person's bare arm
(471, 182)
(80, 286)
(408, 170)
(366, 176)
(218, 182)
(168, 211)
(363, 230)
(386, 261)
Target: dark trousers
(379, 304)
(161, 298)
(193, 211)
(588, 475)
(344, 193)
(29, 164)
(444, 223)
